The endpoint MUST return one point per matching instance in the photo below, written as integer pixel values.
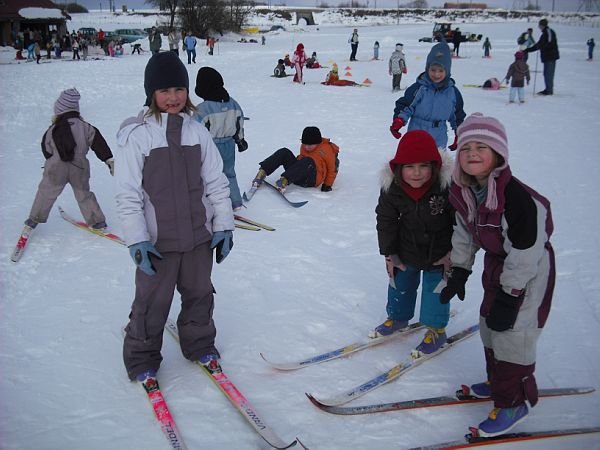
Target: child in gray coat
(518, 71)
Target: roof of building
(29, 9)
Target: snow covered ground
(314, 284)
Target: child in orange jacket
(316, 165)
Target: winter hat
(280, 61)
(491, 132)
(164, 70)
(416, 146)
(440, 55)
(311, 136)
(300, 47)
(334, 68)
(399, 46)
(519, 55)
(209, 85)
(68, 100)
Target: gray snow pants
(57, 174)
(189, 272)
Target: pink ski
(84, 226)
(163, 415)
(21, 243)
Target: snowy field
(315, 283)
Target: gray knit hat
(68, 100)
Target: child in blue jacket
(432, 100)
(224, 118)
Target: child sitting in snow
(432, 100)
(414, 229)
(333, 78)
(312, 62)
(279, 71)
(316, 165)
(287, 61)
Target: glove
(110, 162)
(242, 145)
(457, 278)
(140, 253)
(503, 312)
(325, 188)
(223, 241)
(454, 144)
(393, 262)
(397, 123)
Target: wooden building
(22, 21)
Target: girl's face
(417, 174)
(171, 100)
(478, 160)
(436, 73)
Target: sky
(546, 5)
(316, 283)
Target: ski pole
(535, 72)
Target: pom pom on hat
(68, 100)
(164, 70)
(209, 85)
(311, 136)
(416, 146)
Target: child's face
(171, 100)
(436, 73)
(416, 175)
(478, 160)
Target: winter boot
(388, 327)
(481, 390)
(210, 361)
(100, 226)
(259, 178)
(282, 184)
(31, 223)
(143, 376)
(433, 340)
(502, 420)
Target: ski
(84, 226)
(245, 226)
(291, 203)
(248, 195)
(472, 440)
(162, 413)
(458, 399)
(237, 398)
(411, 362)
(21, 243)
(253, 223)
(342, 351)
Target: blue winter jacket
(430, 106)
(224, 120)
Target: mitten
(325, 188)
(454, 144)
(457, 279)
(223, 241)
(110, 162)
(242, 145)
(504, 311)
(140, 253)
(397, 123)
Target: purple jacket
(516, 240)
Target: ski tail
(21, 243)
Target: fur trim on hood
(387, 176)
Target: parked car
(129, 35)
(88, 32)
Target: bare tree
(166, 5)
(203, 17)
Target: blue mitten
(140, 253)
(223, 241)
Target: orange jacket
(325, 158)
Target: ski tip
(301, 444)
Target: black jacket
(547, 45)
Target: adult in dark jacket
(548, 47)
(457, 38)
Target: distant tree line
(205, 17)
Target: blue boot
(388, 327)
(502, 420)
(433, 340)
(481, 390)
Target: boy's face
(417, 174)
(436, 73)
(478, 160)
(171, 100)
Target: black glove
(242, 145)
(503, 312)
(325, 188)
(455, 284)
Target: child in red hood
(299, 59)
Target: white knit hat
(68, 100)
